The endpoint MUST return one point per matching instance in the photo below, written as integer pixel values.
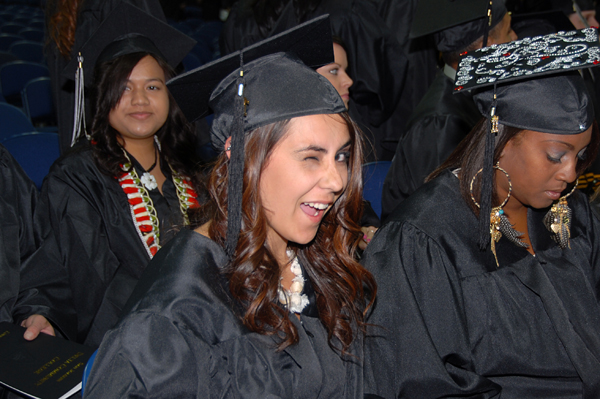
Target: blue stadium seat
(35, 152)
(38, 103)
(15, 75)
(28, 50)
(6, 39)
(373, 176)
(13, 121)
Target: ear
(227, 147)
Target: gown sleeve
(75, 247)
(417, 343)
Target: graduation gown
(440, 121)
(183, 338)
(18, 198)
(453, 324)
(89, 235)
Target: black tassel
(488, 25)
(487, 181)
(235, 185)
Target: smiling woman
(108, 206)
(264, 298)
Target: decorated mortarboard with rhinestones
(456, 23)
(270, 81)
(528, 57)
(126, 30)
(530, 84)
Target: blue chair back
(38, 102)
(11, 27)
(6, 57)
(87, 370)
(32, 34)
(13, 121)
(373, 176)
(28, 50)
(15, 75)
(35, 152)
(6, 39)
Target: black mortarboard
(267, 82)
(529, 84)
(456, 23)
(126, 30)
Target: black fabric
(182, 338)
(531, 104)
(18, 199)
(90, 16)
(120, 33)
(453, 324)
(376, 61)
(89, 236)
(440, 121)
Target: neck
(278, 247)
(143, 150)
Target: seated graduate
(107, 206)
(442, 118)
(265, 298)
(336, 74)
(488, 275)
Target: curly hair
(342, 286)
(177, 140)
(62, 23)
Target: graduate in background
(108, 205)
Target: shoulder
(184, 282)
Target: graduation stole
(142, 209)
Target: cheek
(162, 105)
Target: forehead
(147, 68)
(577, 141)
(323, 130)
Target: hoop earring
(499, 223)
(558, 221)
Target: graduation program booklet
(45, 368)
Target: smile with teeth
(316, 206)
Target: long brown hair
(62, 23)
(341, 284)
(468, 156)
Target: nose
(333, 180)
(139, 97)
(346, 80)
(568, 173)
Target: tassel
(487, 180)
(235, 185)
(79, 116)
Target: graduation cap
(529, 84)
(270, 81)
(540, 23)
(126, 30)
(456, 23)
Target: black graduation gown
(440, 121)
(89, 18)
(18, 197)
(88, 233)
(453, 324)
(376, 61)
(183, 338)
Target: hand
(36, 324)
(368, 233)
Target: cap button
(581, 126)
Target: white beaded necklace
(293, 299)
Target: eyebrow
(568, 145)
(321, 149)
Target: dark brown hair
(341, 284)
(178, 141)
(468, 156)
